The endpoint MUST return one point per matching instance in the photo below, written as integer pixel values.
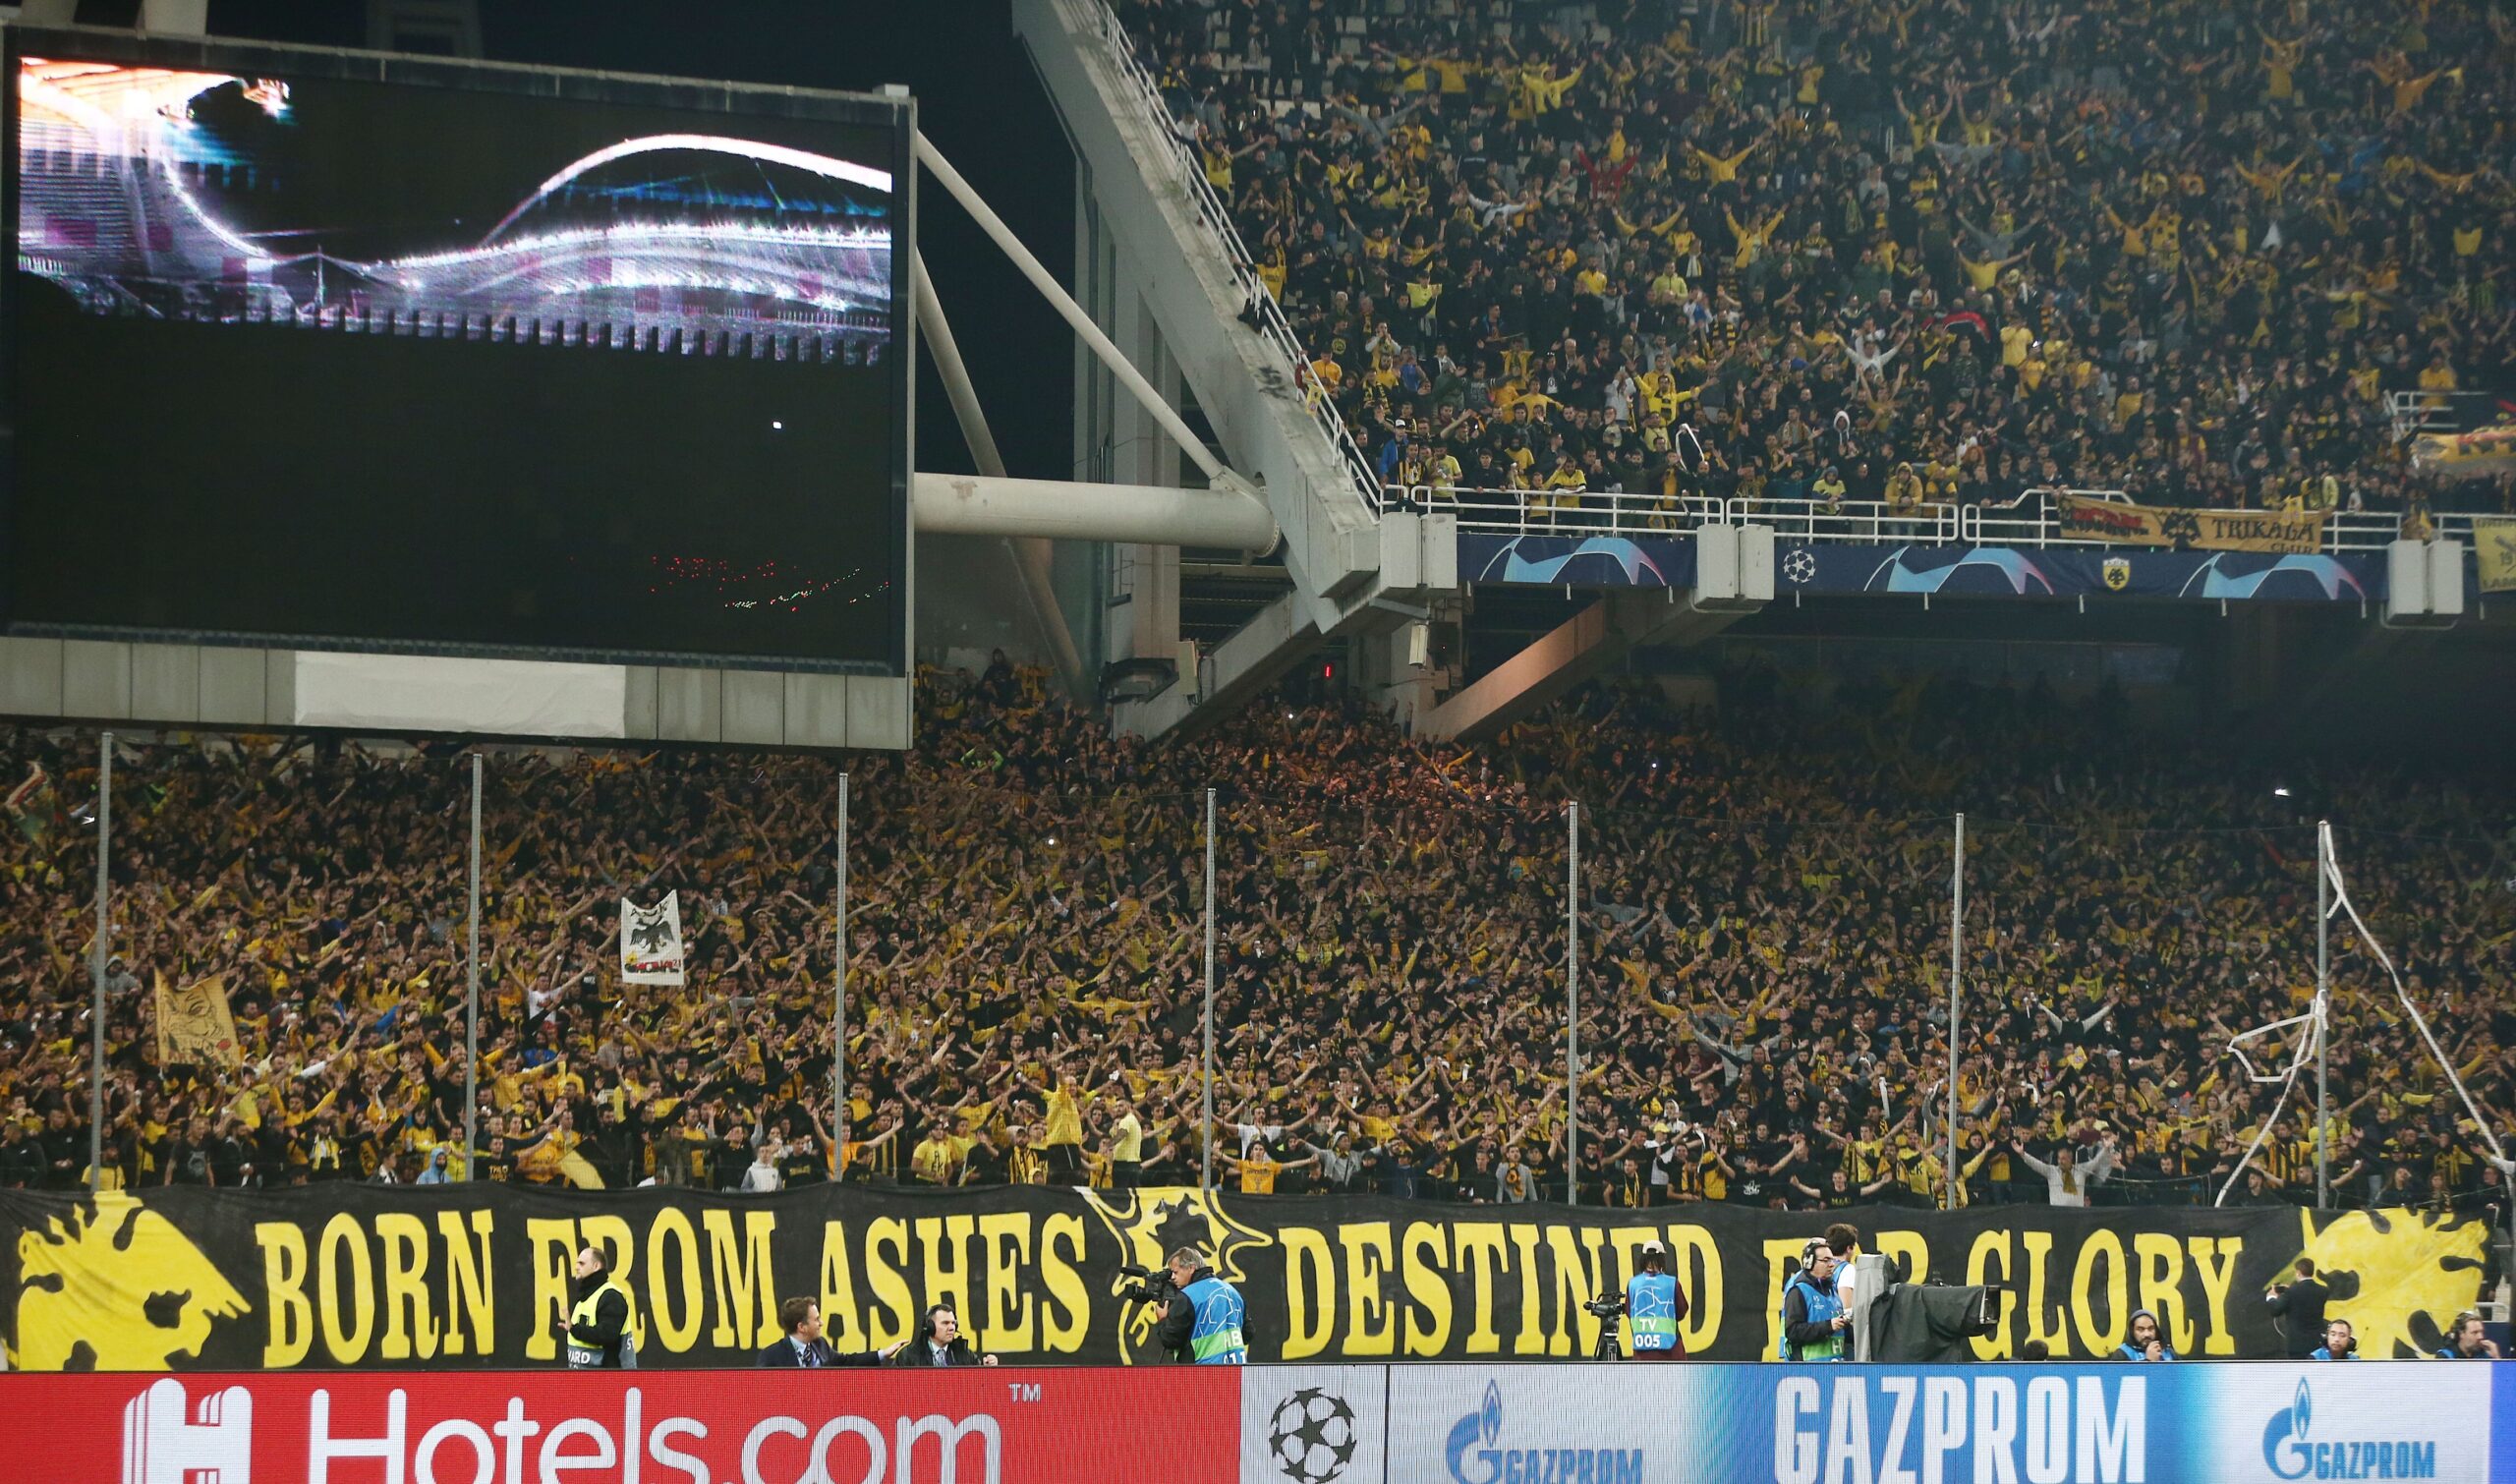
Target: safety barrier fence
(1355, 1424)
(2029, 519)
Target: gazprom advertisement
(1987, 1424)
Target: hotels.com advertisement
(974, 1426)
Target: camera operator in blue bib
(1814, 1324)
(1654, 1303)
(1202, 1323)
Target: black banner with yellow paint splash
(362, 1276)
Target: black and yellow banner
(462, 1276)
(2494, 552)
(194, 1025)
(2290, 531)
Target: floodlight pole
(2323, 1014)
(472, 991)
(1956, 1006)
(1206, 1175)
(839, 995)
(96, 964)
(1572, 1003)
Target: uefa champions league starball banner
(2198, 1422)
(1890, 568)
(335, 1277)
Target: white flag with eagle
(652, 950)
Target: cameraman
(1655, 1303)
(1814, 1323)
(1201, 1321)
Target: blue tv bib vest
(1216, 1339)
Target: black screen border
(898, 115)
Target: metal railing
(2418, 412)
(2027, 520)
(1261, 309)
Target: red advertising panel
(973, 1426)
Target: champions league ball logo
(1311, 1437)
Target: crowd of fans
(1935, 252)
(1763, 959)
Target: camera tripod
(1610, 1339)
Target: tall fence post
(1572, 1004)
(838, 993)
(2324, 991)
(1206, 1160)
(97, 962)
(1956, 1007)
(471, 988)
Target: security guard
(1815, 1326)
(1203, 1321)
(1654, 1303)
(597, 1332)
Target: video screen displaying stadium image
(607, 369)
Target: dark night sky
(978, 99)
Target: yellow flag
(2494, 546)
(194, 1025)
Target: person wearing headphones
(1654, 1303)
(2146, 1344)
(803, 1348)
(1814, 1323)
(2466, 1342)
(2340, 1343)
(940, 1342)
(1203, 1321)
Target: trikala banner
(194, 1026)
(2275, 531)
(2494, 552)
(335, 1276)
(651, 949)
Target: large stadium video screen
(322, 348)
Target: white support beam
(961, 505)
(1064, 302)
(1029, 556)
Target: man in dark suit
(940, 1344)
(803, 1346)
(2299, 1306)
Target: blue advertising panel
(1581, 561)
(2183, 1423)
(1839, 568)
(2076, 571)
